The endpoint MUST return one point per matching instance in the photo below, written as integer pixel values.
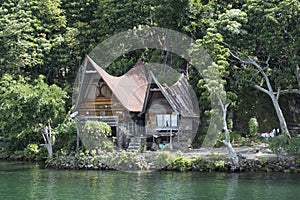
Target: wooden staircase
(134, 144)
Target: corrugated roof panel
(181, 94)
(129, 89)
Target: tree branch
(289, 91)
(262, 72)
(297, 72)
(278, 93)
(251, 61)
(261, 89)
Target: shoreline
(286, 164)
(251, 159)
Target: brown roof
(180, 96)
(181, 93)
(129, 89)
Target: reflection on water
(232, 187)
(29, 181)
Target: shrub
(25, 107)
(230, 124)
(31, 151)
(234, 137)
(163, 159)
(65, 135)
(181, 163)
(94, 136)
(219, 164)
(253, 126)
(279, 144)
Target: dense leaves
(51, 38)
(26, 107)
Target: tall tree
(26, 107)
(272, 49)
(268, 90)
(29, 30)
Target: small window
(174, 122)
(159, 121)
(166, 120)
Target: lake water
(19, 180)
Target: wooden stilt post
(77, 139)
(171, 147)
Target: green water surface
(19, 180)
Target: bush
(279, 145)
(234, 138)
(65, 136)
(31, 151)
(181, 163)
(94, 136)
(253, 126)
(163, 159)
(25, 107)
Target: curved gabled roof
(129, 89)
(132, 88)
(179, 95)
(183, 97)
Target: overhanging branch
(289, 91)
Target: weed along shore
(252, 159)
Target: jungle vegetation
(255, 46)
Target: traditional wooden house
(137, 106)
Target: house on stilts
(137, 106)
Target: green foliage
(25, 107)
(164, 159)
(181, 164)
(125, 159)
(31, 150)
(235, 138)
(65, 135)
(219, 164)
(253, 126)
(279, 145)
(263, 160)
(229, 124)
(51, 37)
(29, 30)
(94, 135)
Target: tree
(214, 80)
(215, 86)
(274, 28)
(259, 31)
(226, 142)
(26, 107)
(269, 55)
(269, 91)
(29, 31)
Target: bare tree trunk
(297, 73)
(269, 91)
(282, 122)
(281, 118)
(47, 135)
(232, 154)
